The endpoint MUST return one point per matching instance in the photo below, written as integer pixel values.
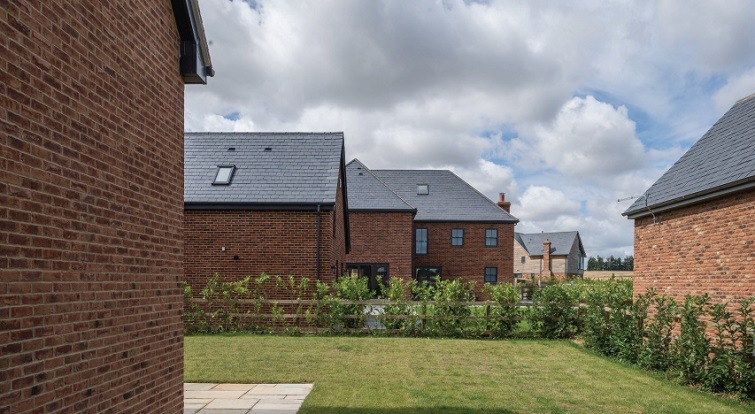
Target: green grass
(406, 375)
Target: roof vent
(232, 149)
(268, 149)
(361, 173)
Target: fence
(468, 319)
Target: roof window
(224, 174)
(423, 189)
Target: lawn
(407, 375)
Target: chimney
(546, 271)
(502, 203)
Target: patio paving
(202, 398)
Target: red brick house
(545, 255)
(694, 228)
(264, 202)
(424, 223)
(91, 250)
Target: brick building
(91, 251)
(545, 255)
(424, 223)
(381, 228)
(264, 202)
(694, 227)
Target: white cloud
(540, 203)
(589, 138)
(490, 179)
(736, 88)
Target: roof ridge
(383, 183)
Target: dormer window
(423, 189)
(224, 174)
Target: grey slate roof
(300, 168)
(723, 158)
(561, 242)
(450, 197)
(368, 193)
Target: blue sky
(564, 106)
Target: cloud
(716, 36)
(490, 179)
(587, 140)
(736, 88)
(539, 203)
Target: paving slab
(212, 394)
(193, 386)
(201, 398)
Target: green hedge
(695, 341)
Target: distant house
(694, 228)
(264, 202)
(546, 255)
(423, 224)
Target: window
(457, 237)
(429, 274)
(423, 189)
(524, 259)
(224, 174)
(491, 275)
(491, 237)
(420, 246)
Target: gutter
(258, 206)
(690, 200)
(319, 239)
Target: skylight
(423, 189)
(224, 174)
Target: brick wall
(383, 238)
(337, 241)
(91, 154)
(469, 261)
(275, 242)
(706, 248)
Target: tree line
(610, 263)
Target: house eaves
(194, 62)
(712, 194)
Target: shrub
(350, 288)
(611, 324)
(656, 351)
(554, 313)
(450, 317)
(504, 312)
(398, 291)
(692, 347)
(731, 366)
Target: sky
(566, 107)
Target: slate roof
(722, 159)
(299, 168)
(368, 193)
(561, 242)
(450, 198)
